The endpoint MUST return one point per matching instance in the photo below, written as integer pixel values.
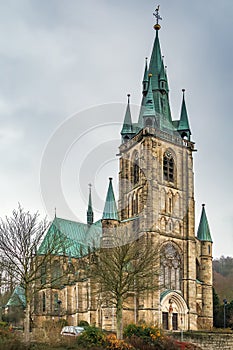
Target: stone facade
(156, 198)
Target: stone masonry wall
(208, 341)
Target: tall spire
(155, 62)
(159, 83)
(90, 214)
(183, 126)
(203, 233)
(145, 79)
(127, 129)
(110, 208)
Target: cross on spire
(158, 18)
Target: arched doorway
(174, 311)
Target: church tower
(156, 194)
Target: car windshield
(72, 329)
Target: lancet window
(170, 267)
(135, 168)
(168, 167)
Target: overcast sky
(62, 58)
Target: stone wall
(208, 340)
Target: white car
(73, 331)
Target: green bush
(146, 332)
(83, 323)
(145, 337)
(3, 324)
(92, 336)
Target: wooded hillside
(223, 277)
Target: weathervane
(158, 18)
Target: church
(156, 197)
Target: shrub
(83, 323)
(112, 343)
(9, 341)
(92, 336)
(145, 337)
(50, 331)
(3, 324)
(149, 334)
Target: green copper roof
(162, 75)
(159, 87)
(184, 122)
(145, 77)
(73, 237)
(90, 214)
(149, 107)
(110, 208)
(140, 119)
(203, 233)
(127, 126)
(17, 298)
(155, 62)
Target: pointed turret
(145, 79)
(203, 233)
(183, 127)
(110, 208)
(163, 83)
(90, 214)
(127, 129)
(149, 107)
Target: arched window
(135, 169)
(148, 122)
(129, 206)
(56, 274)
(55, 302)
(135, 204)
(168, 167)
(170, 226)
(198, 269)
(170, 267)
(43, 274)
(43, 302)
(169, 204)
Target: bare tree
(20, 237)
(127, 267)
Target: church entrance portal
(174, 311)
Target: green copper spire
(149, 107)
(110, 208)
(203, 233)
(155, 62)
(145, 79)
(127, 129)
(159, 83)
(90, 214)
(183, 126)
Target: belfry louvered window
(168, 167)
